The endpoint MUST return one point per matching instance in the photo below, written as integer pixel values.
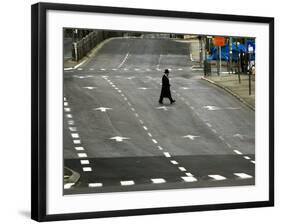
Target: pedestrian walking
(165, 91)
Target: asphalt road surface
(118, 137)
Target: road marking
(133, 109)
(191, 137)
(221, 138)
(125, 98)
(208, 124)
(70, 122)
(213, 130)
(192, 108)
(67, 109)
(252, 161)
(141, 121)
(69, 115)
(145, 128)
(179, 69)
(166, 154)
(82, 155)
(239, 136)
(89, 87)
(217, 177)
(125, 69)
(75, 135)
(127, 182)
(65, 103)
(79, 69)
(189, 174)
(158, 180)
(84, 162)
(103, 109)
(162, 108)
(136, 114)
(247, 157)
(174, 162)
(87, 169)
(228, 145)
(95, 184)
(131, 77)
(243, 175)
(211, 107)
(149, 134)
(182, 168)
(237, 152)
(189, 179)
(154, 141)
(119, 138)
(184, 88)
(92, 69)
(159, 147)
(68, 185)
(72, 128)
(137, 69)
(79, 148)
(76, 141)
(123, 61)
(102, 69)
(114, 69)
(143, 88)
(64, 98)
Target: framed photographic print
(140, 111)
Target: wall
(15, 111)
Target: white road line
(102, 69)
(141, 121)
(75, 135)
(84, 162)
(65, 103)
(125, 98)
(87, 169)
(189, 179)
(158, 180)
(189, 174)
(129, 104)
(179, 69)
(79, 69)
(182, 168)
(154, 141)
(133, 109)
(149, 134)
(67, 109)
(82, 155)
(174, 162)
(69, 115)
(237, 152)
(70, 122)
(252, 161)
(213, 130)
(72, 128)
(159, 147)
(119, 91)
(228, 145)
(192, 108)
(136, 114)
(217, 177)
(145, 128)
(243, 175)
(247, 157)
(123, 61)
(208, 124)
(79, 148)
(64, 98)
(167, 154)
(221, 138)
(95, 184)
(127, 182)
(68, 185)
(77, 141)
(92, 69)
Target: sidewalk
(230, 83)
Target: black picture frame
(39, 109)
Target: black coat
(165, 91)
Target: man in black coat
(165, 91)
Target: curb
(229, 91)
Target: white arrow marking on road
(89, 87)
(103, 109)
(191, 137)
(119, 138)
(162, 108)
(239, 136)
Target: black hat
(166, 71)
